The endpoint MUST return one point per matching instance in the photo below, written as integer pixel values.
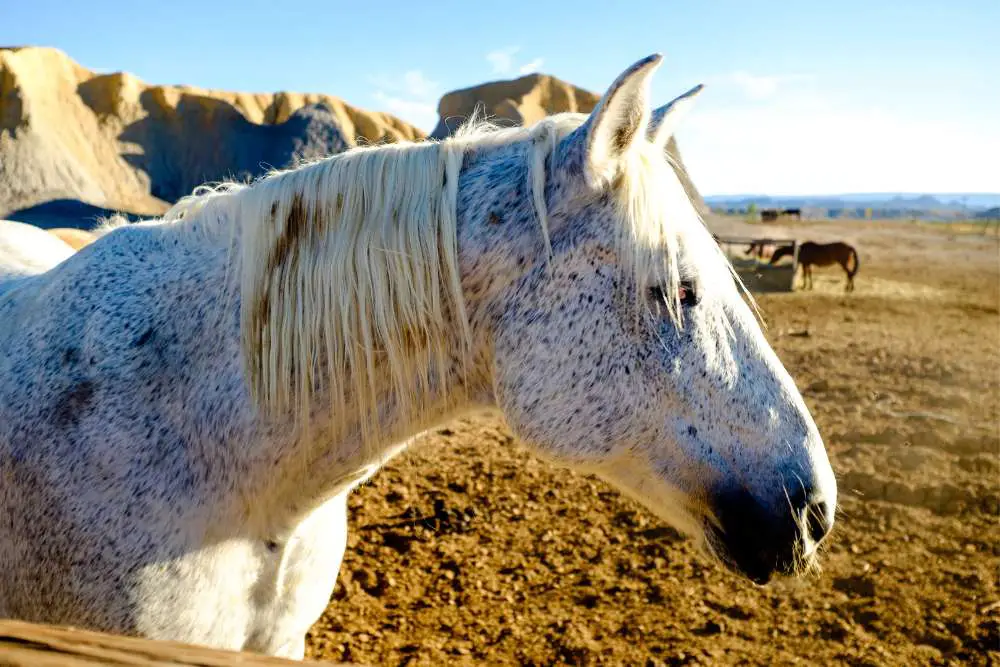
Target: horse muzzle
(760, 540)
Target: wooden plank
(33, 645)
(759, 276)
(764, 278)
(747, 240)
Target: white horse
(27, 250)
(185, 404)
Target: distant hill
(527, 100)
(114, 142)
(881, 205)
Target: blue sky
(807, 97)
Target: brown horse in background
(822, 254)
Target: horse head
(622, 346)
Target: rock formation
(115, 142)
(75, 145)
(527, 100)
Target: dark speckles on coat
(71, 356)
(143, 338)
(73, 403)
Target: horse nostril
(817, 520)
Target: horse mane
(350, 262)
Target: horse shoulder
(104, 409)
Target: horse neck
(279, 464)
(293, 465)
(331, 453)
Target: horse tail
(852, 258)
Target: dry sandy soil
(468, 550)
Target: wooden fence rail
(30, 645)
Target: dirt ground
(469, 551)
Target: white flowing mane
(350, 263)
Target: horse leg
(309, 568)
(295, 649)
(849, 285)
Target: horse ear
(665, 120)
(619, 119)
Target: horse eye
(686, 294)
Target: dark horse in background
(822, 254)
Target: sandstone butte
(70, 136)
(527, 100)
(113, 141)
